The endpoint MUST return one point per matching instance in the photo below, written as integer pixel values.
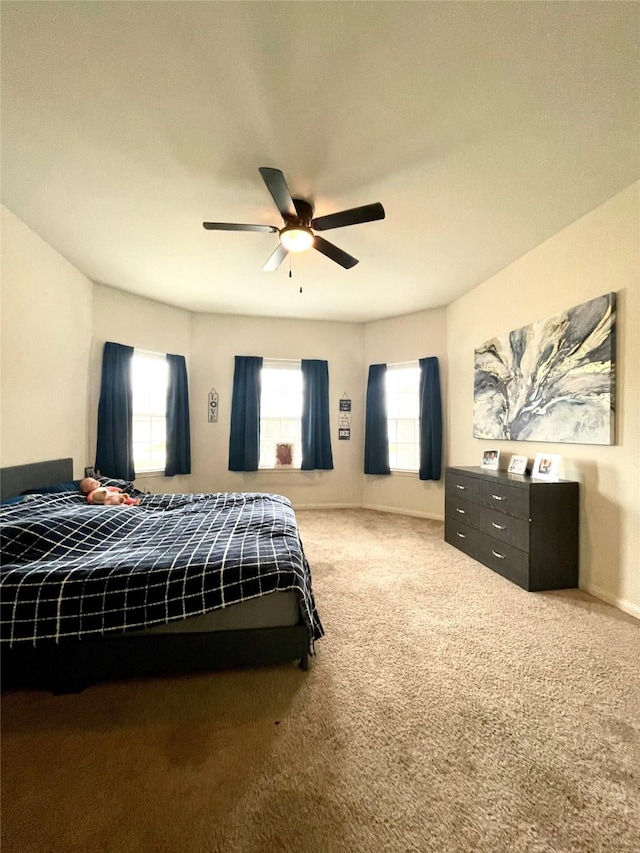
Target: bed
(180, 583)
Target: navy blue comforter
(71, 570)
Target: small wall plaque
(213, 406)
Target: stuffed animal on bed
(110, 496)
(105, 495)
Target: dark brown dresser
(524, 529)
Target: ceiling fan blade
(277, 186)
(353, 216)
(338, 255)
(276, 259)
(233, 226)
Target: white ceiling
(483, 128)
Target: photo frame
(546, 466)
(518, 464)
(490, 459)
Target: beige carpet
(446, 710)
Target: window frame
(406, 366)
(283, 365)
(153, 415)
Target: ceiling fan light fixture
(296, 238)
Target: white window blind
(281, 415)
(150, 376)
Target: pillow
(71, 486)
(18, 499)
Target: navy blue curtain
(376, 433)
(244, 440)
(178, 429)
(114, 452)
(430, 420)
(316, 432)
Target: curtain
(244, 440)
(178, 430)
(316, 432)
(376, 434)
(430, 420)
(114, 452)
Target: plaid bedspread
(71, 570)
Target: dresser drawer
(461, 536)
(506, 560)
(460, 486)
(505, 528)
(463, 511)
(505, 498)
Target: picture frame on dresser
(518, 464)
(490, 459)
(546, 467)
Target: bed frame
(72, 665)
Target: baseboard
(619, 603)
(396, 511)
(375, 508)
(297, 506)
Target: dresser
(524, 529)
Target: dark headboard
(13, 481)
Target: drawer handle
(498, 498)
(462, 488)
(499, 556)
(461, 511)
(498, 526)
(461, 535)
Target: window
(403, 416)
(281, 415)
(150, 376)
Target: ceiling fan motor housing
(304, 210)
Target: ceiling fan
(296, 234)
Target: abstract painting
(553, 380)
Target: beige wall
(216, 340)
(396, 340)
(46, 333)
(597, 254)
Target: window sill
(281, 469)
(404, 472)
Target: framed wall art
(553, 380)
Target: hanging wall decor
(553, 380)
(213, 406)
(344, 419)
